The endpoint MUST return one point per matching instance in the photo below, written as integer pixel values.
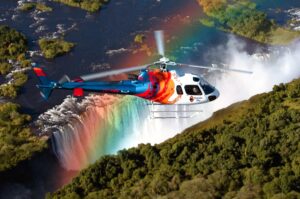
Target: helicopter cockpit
(192, 90)
(195, 89)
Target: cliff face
(248, 149)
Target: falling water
(84, 131)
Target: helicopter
(155, 82)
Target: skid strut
(174, 111)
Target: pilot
(196, 90)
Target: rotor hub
(164, 60)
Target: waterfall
(83, 131)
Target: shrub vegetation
(88, 5)
(52, 48)
(13, 46)
(17, 142)
(12, 43)
(139, 38)
(39, 6)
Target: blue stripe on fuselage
(127, 86)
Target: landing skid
(162, 111)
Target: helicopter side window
(196, 79)
(179, 90)
(192, 90)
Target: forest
(243, 18)
(88, 5)
(250, 150)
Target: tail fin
(46, 85)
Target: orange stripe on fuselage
(165, 87)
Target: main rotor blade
(99, 75)
(159, 38)
(216, 68)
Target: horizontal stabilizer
(45, 91)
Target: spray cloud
(279, 65)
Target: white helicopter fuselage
(168, 87)
(192, 89)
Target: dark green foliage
(27, 6)
(12, 47)
(248, 150)
(39, 6)
(19, 79)
(43, 7)
(89, 5)
(4, 68)
(248, 22)
(242, 18)
(8, 90)
(17, 142)
(12, 43)
(139, 38)
(54, 47)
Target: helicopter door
(179, 90)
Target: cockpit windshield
(207, 88)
